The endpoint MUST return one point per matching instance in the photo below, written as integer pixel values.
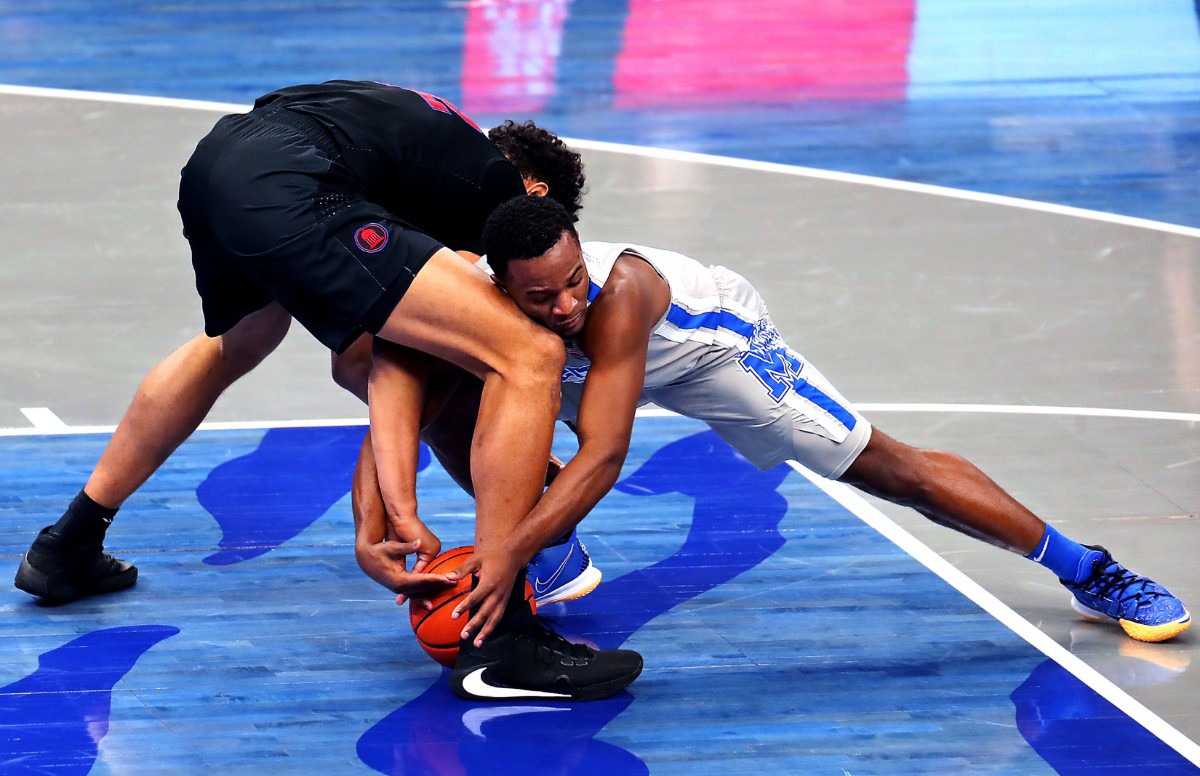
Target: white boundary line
(859, 506)
(46, 422)
(680, 156)
(883, 183)
(997, 409)
(43, 419)
(126, 99)
(1017, 409)
(221, 425)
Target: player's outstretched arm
(387, 527)
(616, 339)
(381, 554)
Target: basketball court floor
(788, 624)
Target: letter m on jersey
(776, 368)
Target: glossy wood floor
(785, 627)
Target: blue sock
(1068, 560)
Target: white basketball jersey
(704, 311)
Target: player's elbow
(609, 463)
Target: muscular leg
(454, 312)
(67, 560)
(175, 397)
(947, 489)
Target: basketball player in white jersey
(647, 325)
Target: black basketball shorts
(269, 218)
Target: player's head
(542, 158)
(534, 250)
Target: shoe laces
(550, 645)
(1117, 583)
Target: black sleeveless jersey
(412, 153)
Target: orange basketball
(436, 632)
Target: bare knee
(538, 363)
(895, 471)
(551, 354)
(252, 339)
(351, 369)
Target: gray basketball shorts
(771, 405)
(731, 369)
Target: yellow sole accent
(582, 591)
(1155, 633)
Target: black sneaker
(62, 573)
(528, 661)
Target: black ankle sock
(562, 539)
(515, 606)
(84, 522)
(516, 597)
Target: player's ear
(536, 188)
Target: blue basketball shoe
(1146, 610)
(563, 572)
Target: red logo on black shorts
(371, 238)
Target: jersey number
(442, 106)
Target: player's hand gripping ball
(436, 632)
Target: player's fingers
(422, 584)
(423, 561)
(475, 622)
(417, 601)
(487, 605)
(465, 605)
(419, 586)
(488, 617)
(431, 546)
(473, 600)
(398, 550)
(484, 625)
(464, 569)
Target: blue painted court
(780, 633)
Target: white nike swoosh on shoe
(539, 588)
(476, 685)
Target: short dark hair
(523, 228)
(541, 154)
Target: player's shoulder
(597, 250)
(606, 256)
(631, 282)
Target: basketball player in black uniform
(342, 205)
